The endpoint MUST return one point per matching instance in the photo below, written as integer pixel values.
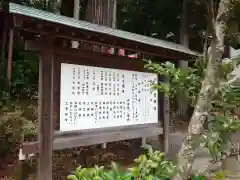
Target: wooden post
(166, 121)
(45, 110)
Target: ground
(65, 161)
(123, 152)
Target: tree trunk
(76, 13)
(101, 12)
(53, 6)
(3, 37)
(67, 8)
(114, 14)
(209, 85)
(184, 40)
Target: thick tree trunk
(53, 6)
(3, 36)
(67, 7)
(184, 40)
(102, 12)
(76, 13)
(208, 89)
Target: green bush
(149, 166)
(218, 136)
(13, 128)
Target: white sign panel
(93, 97)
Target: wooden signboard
(93, 97)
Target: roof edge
(79, 24)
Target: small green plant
(10, 131)
(99, 173)
(220, 174)
(152, 165)
(218, 136)
(149, 166)
(13, 128)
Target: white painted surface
(93, 97)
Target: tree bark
(67, 7)
(184, 40)
(102, 12)
(76, 13)
(3, 37)
(53, 6)
(209, 86)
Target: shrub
(13, 128)
(149, 166)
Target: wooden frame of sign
(76, 138)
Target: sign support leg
(45, 110)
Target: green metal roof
(71, 22)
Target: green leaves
(181, 82)
(152, 166)
(219, 133)
(227, 99)
(221, 174)
(86, 174)
(72, 177)
(149, 166)
(198, 178)
(99, 173)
